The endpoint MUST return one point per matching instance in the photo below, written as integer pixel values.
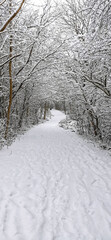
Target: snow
(54, 185)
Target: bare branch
(44, 58)
(100, 86)
(30, 53)
(2, 2)
(13, 16)
(9, 60)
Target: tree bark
(10, 78)
(45, 110)
(13, 16)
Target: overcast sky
(39, 2)
(33, 4)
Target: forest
(55, 119)
(55, 55)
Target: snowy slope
(54, 186)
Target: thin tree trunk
(13, 16)
(10, 78)
(22, 112)
(45, 110)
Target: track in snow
(54, 186)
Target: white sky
(37, 2)
(40, 2)
(33, 4)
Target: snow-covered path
(54, 186)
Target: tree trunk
(10, 77)
(45, 111)
(22, 112)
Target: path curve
(54, 185)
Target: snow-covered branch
(12, 17)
